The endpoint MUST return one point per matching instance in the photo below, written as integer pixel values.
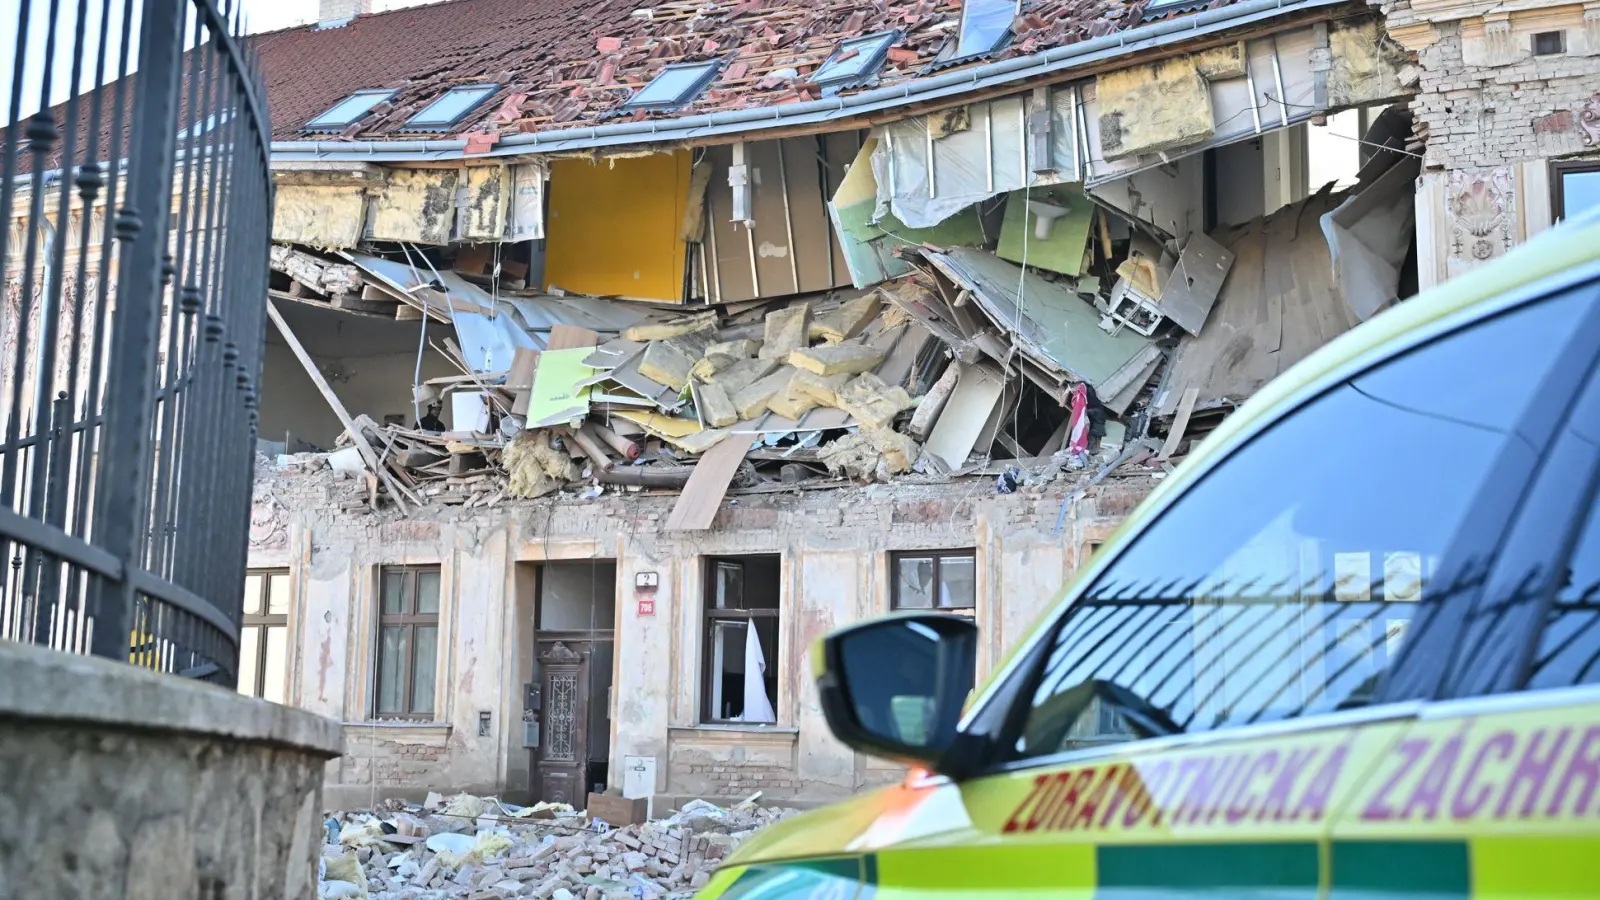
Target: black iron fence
(135, 178)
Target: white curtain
(757, 706)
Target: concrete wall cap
(42, 684)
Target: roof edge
(1142, 37)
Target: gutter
(744, 121)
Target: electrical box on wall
(530, 735)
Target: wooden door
(561, 761)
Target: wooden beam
(368, 455)
(1180, 422)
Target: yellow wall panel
(615, 226)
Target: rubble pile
(481, 849)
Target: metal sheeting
(489, 341)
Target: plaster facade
(834, 551)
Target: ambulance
(1350, 648)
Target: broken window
(348, 111)
(934, 579)
(675, 86)
(1575, 189)
(264, 635)
(408, 642)
(450, 108)
(855, 58)
(741, 639)
(984, 24)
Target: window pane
(444, 110)
(394, 593)
(958, 587)
(913, 582)
(865, 51)
(350, 109)
(249, 648)
(1569, 648)
(427, 592)
(392, 650)
(1580, 192)
(422, 673)
(276, 661)
(673, 86)
(730, 585)
(983, 23)
(278, 595)
(252, 594)
(1281, 585)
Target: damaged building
(619, 350)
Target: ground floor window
(264, 635)
(1574, 188)
(934, 579)
(408, 642)
(740, 658)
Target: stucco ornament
(1589, 121)
(1480, 212)
(269, 524)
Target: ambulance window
(1569, 647)
(1283, 583)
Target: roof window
(450, 108)
(348, 111)
(674, 87)
(856, 59)
(984, 25)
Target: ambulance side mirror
(895, 687)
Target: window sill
(403, 729)
(735, 731)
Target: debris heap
(482, 849)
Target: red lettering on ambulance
(1411, 751)
(1532, 770)
(1314, 802)
(1429, 792)
(1584, 767)
(1467, 802)
(1014, 823)
(1277, 800)
(1083, 819)
(1245, 800)
(1068, 803)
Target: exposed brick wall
(388, 763)
(1493, 103)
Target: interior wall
(1239, 188)
(378, 386)
(616, 226)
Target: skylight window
(450, 108)
(984, 24)
(348, 111)
(855, 58)
(675, 86)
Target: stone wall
(1496, 116)
(834, 549)
(121, 784)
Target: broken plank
(1180, 422)
(697, 506)
(570, 337)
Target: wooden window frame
(709, 615)
(264, 620)
(1558, 202)
(938, 557)
(410, 620)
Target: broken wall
(1496, 117)
(835, 551)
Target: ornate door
(561, 761)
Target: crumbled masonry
(478, 848)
